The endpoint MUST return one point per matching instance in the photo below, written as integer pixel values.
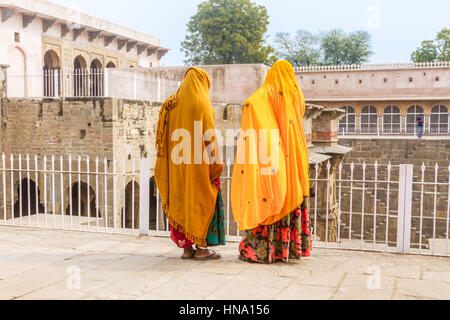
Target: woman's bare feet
(188, 253)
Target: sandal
(192, 256)
(212, 256)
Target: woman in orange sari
(188, 168)
(270, 198)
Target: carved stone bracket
(64, 30)
(7, 13)
(162, 53)
(131, 45)
(313, 111)
(47, 24)
(141, 48)
(94, 35)
(121, 44)
(109, 39)
(151, 51)
(27, 19)
(77, 33)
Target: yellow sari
(260, 199)
(186, 182)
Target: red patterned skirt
(285, 240)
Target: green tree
(341, 48)
(226, 32)
(301, 50)
(443, 44)
(426, 53)
(434, 50)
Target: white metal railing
(402, 128)
(375, 207)
(385, 66)
(90, 195)
(114, 83)
(388, 208)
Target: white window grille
(369, 120)
(392, 120)
(348, 123)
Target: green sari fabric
(216, 232)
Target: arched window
(17, 81)
(392, 119)
(348, 123)
(96, 78)
(51, 64)
(110, 65)
(369, 120)
(132, 200)
(439, 120)
(80, 77)
(411, 118)
(81, 204)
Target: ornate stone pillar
(325, 144)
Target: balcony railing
(402, 128)
(112, 83)
(385, 66)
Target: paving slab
(37, 264)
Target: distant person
(190, 188)
(270, 200)
(420, 125)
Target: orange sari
(187, 183)
(259, 198)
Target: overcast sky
(397, 26)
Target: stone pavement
(44, 264)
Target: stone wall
(399, 151)
(109, 129)
(385, 83)
(229, 83)
(103, 128)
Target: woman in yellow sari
(188, 168)
(270, 198)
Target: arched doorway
(79, 77)
(81, 205)
(17, 84)
(392, 119)
(439, 120)
(26, 190)
(369, 120)
(110, 65)
(131, 206)
(96, 79)
(153, 203)
(348, 123)
(51, 64)
(411, 116)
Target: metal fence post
(134, 86)
(56, 81)
(144, 199)
(106, 82)
(404, 208)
